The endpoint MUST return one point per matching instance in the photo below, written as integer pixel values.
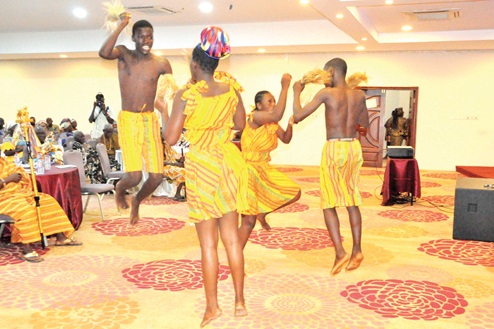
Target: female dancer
(209, 109)
(271, 189)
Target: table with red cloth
(401, 175)
(63, 185)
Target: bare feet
(355, 261)
(210, 316)
(120, 201)
(338, 264)
(134, 212)
(240, 310)
(262, 219)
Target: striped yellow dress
(215, 171)
(17, 201)
(268, 188)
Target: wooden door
(412, 118)
(373, 143)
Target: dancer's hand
(286, 79)
(125, 17)
(298, 87)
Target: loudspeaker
(401, 152)
(474, 209)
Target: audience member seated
(92, 165)
(47, 145)
(110, 140)
(17, 201)
(174, 170)
(43, 124)
(55, 129)
(66, 127)
(13, 143)
(65, 131)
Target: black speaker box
(401, 152)
(474, 209)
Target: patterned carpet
(149, 276)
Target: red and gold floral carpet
(149, 276)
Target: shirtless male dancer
(138, 126)
(346, 117)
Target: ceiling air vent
(155, 10)
(432, 15)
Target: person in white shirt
(101, 115)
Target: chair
(4, 220)
(68, 143)
(92, 142)
(110, 176)
(74, 157)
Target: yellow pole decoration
(24, 121)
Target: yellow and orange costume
(270, 188)
(17, 201)
(216, 174)
(139, 137)
(340, 164)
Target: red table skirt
(63, 184)
(401, 175)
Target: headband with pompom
(215, 42)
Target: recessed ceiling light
(304, 2)
(360, 48)
(339, 16)
(79, 12)
(406, 28)
(261, 50)
(158, 53)
(389, 2)
(63, 56)
(206, 7)
(364, 39)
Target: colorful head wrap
(215, 42)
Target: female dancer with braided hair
(271, 189)
(215, 170)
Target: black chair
(4, 220)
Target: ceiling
(46, 28)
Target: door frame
(412, 138)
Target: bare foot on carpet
(262, 219)
(355, 261)
(134, 212)
(210, 316)
(338, 264)
(240, 310)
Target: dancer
(272, 189)
(346, 116)
(138, 126)
(215, 170)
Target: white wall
(452, 86)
